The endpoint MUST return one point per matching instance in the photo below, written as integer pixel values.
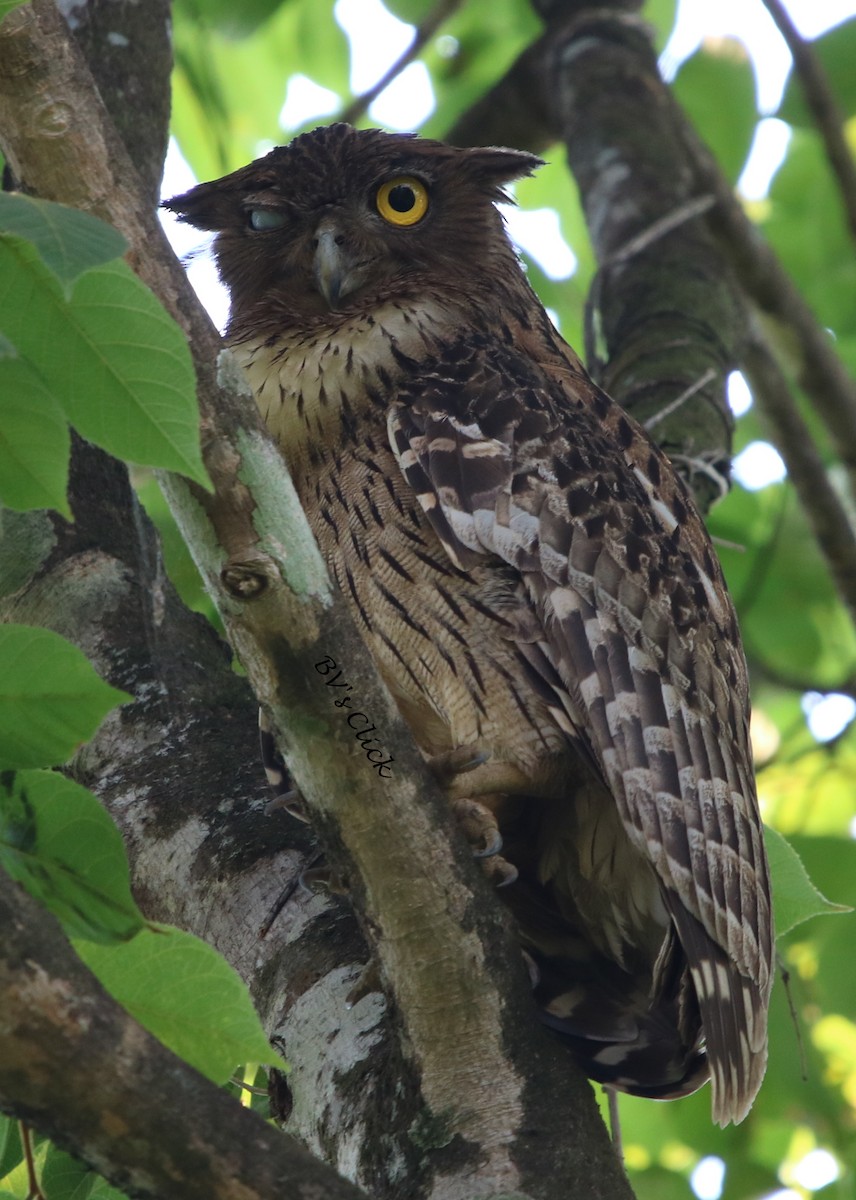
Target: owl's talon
(500, 872)
(492, 847)
(460, 761)
(275, 769)
(292, 802)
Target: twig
(424, 32)
(34, 1190)
(823, 106)
(785, 976)
(679, 401)
(693, 208)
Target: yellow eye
(402, 201)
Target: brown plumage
(532, 579)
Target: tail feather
(732, 1008)
(645, 1044)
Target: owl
(533, 582)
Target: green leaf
(228, 92)
(113, 358)
(34, 440)
(240, 20)
(795, 897)
(145, 362)
(58, 842)
(69, 242)
(804, 224)
(11, 1150)
(721, 69)
(485, 51)
(103, 1191)
(64, 1177)
(790, 614)
(187, 995)
(6, 6)
(51, 699)
(413, 12)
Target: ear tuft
(207, 206)
(496, 165)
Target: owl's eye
(402, 201)
(263, 219)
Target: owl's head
(341, 218)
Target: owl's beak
(332, 267)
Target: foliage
(56, 839)
(87, 343)
(233, 66)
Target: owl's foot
(286, 797)
(292, 802)
(468, 771)
(461, 761)
(499, 871)
(479, 827)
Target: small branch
(34, 1191)
(515, 111)
(696, 207)
(666, 315)
(680, 401)
(424, 32)
(823, 106)
(826, 513)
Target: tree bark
(76, 1066)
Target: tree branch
(423, 34)
(74, 1064)
(668, 316)
(517, 111)
(789, 320)
(488, 1074)
(826, 513)
(823, 107)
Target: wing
(549, 475)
